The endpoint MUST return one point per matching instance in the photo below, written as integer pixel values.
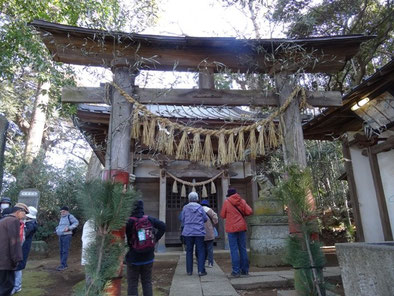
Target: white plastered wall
(386, 166)
(369, 210)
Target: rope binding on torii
(158, 132)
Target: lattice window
(175, 201)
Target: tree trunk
(3, 138)
(37, 123)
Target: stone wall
(268, 240)
(367, 268)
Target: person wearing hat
(10, 247)
(5, 203)
(210, 231)
(234, 211)
(140, 261)
(193, 218)
(30, 228)
(67, 223)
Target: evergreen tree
(108, 205)
(303, 253)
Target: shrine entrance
(175, 203)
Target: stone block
(268, 206)
(39, 249)
(367, 268)
(262, 232)
(267, 219)
(267, 244)
(266, 260)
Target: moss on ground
(78, 289)
(35, 282)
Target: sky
(198, 18)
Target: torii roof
(81, 46)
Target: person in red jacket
(234, 211)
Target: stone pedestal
(367, 268)
(268, 240)
(39, 249)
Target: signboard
(30, 197)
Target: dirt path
(40, 278)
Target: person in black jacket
(141, 263)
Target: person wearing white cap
(30, 229)
(193, 218)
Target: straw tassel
(196, 150)
(231, 153)
(241, 146)
(175, 187)
(145, 133)
(170, 142)
(208, 158)
(151, 132)
(261, 144)
(183, 147)
(161, 140)
(280, 130)
(273, 140)
(135, 129)
(252, 143)
(213, 188)
(183, 191)
(204, 193)
(222, 151)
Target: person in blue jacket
(193, 218)
(64, 230)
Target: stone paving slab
(277, 279)
(215, 283)
(293, 293)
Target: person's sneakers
(16, 291)
(236, 275)
(202, 273)
(61, 268)
(189, 273)
(210, 265)
(244, 273)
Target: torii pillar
(117, 160)
(293, 136)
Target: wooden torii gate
(127, 53)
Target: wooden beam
(209, 97)
(353, 191)
(206, 79)
(380, 196)
(383, 147)
(83, 46)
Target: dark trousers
(209, 251)
(7, 281)
(133, 274)
(64, 243)
(200, 251)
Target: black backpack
(74, 231)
